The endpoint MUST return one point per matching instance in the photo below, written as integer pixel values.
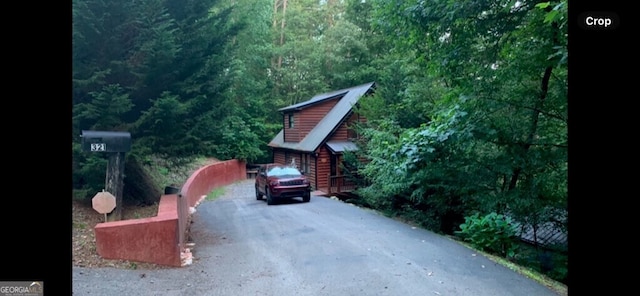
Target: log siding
(305, 120)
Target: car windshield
(283, 172)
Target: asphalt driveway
(324, 247)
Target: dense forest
(468, 123)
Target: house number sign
(98, 147)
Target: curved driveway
(324, 247)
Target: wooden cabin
(315, 133)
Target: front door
(333, 164)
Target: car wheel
(258, 195)
(270, 199)
(306, 197)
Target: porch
(339, 184)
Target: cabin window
(290, 120)
(333, 165)
(304, 163)
(351, 133)
(351, 129)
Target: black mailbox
(102, 141)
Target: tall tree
(153, 68)
(501, 64)
(248, 102)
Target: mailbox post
(115, 144)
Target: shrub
(492, 233)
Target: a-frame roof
(321, 132)
(315, 100)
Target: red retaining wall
(212, 176)
(160, 239)
(144, 240)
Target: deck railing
(340, 184)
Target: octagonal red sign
(104, 202)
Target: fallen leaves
(84, 253)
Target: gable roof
(328, 123)
(315, 100)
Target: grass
(558, 287)
(215, 193)
(80, 194)
(163, 171)
(167, 171)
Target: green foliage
(163, 171)
(162, 127)
(551, 262)
(385, 180)
(345, 55)
(238, 140)
(559, 267)
(556, 12)
(477, 92)
(492, 233)
(167, 170)
(88, 172)
(105, 109)
(420, 168)
(137, 64)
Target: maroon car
(277, 181)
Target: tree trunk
(533, 128)
(279, 8)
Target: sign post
(116, 144)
